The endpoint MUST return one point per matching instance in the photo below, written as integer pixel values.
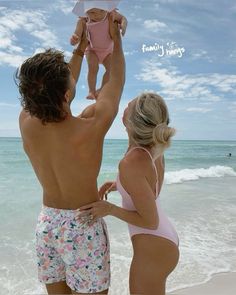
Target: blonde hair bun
(148, 123)
(162, 134)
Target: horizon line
(18, 137)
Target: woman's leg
(93, 67)
(58, 288)
(107, 64)
(154, 259)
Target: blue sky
(199, 86)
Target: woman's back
(165, 229)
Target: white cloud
(154, 25)
(232, 107)
(8, 105)
(27, 21)
(168, 1)
(13, 60)
(128, 53)
(64, 6)
(201, 54)
(198, 110)
(175, 85)
(233, 8)
(46, 36)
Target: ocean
(199, 196)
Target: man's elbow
(111, 114)
(115, 111)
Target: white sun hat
(82, 6)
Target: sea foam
(183, 175)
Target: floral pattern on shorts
(71, 251)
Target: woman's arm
(133, 171)
(132, 217)
(135, 182)
(101, 209)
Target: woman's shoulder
(135, 160)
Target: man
(66, 153)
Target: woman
(141, 173)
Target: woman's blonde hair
(148, 123)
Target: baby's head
(96, 14)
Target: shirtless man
(66, 154)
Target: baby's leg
(107, 65)
(106, 76)
(93, 66)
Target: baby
(100, 43)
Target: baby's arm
(76, 37)
(122, 20)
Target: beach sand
(221, 284)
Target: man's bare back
(66, 156)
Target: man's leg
(103, 292)
(58, 288)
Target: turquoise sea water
(199, 196)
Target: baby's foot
(97, 92)
(91, 95)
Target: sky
(184, 50)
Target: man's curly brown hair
(43, 82)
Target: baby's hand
(74, 39)
(122, 21)
(123, 26)
(113, 29)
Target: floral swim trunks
(72, 251)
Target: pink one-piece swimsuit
(100, 41)
(165, 229)
(99, 38)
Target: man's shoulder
(28, 123)
(23, 114)
(24, 117)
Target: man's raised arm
(107, 104)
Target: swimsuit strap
(150, 155)
(153, 162)
(105, 17)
